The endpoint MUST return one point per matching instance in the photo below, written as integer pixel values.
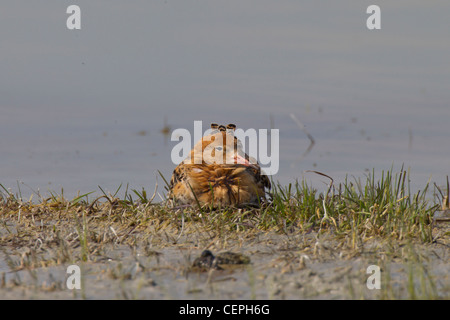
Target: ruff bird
(218, 172)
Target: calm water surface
(85, 108)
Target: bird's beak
(241, 160)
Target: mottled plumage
(218, 172)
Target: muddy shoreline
(289, 266)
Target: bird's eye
(219, 148)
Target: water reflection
(96, 107)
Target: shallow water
(85, 108)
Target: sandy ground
(283, 266)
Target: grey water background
(82, 108)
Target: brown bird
(219, 173)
